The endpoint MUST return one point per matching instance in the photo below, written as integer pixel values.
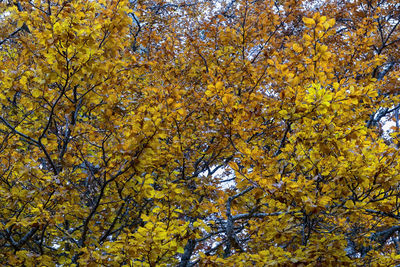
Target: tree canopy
(199, 133)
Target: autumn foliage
(199, 133)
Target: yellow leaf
(219, 85)
(57, 27)
(23, 80)
(208, 93)
(225, 100)
(181, 112)
(308, 21)
(234, 165)
(336, 85)
(331, 22)
(81, 32)
(36, 92)
(20, 23)
(324, 200)
(349, 204)
(297, 48)
(307, 37)
(283, 113)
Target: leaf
(219, 85)
(225, 99)
(308, 21)
(20, 23)
(297, 48)
(36, 92)
(234, 165)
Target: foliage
(228, 133)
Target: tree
(199, 133)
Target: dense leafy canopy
(231, 133)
